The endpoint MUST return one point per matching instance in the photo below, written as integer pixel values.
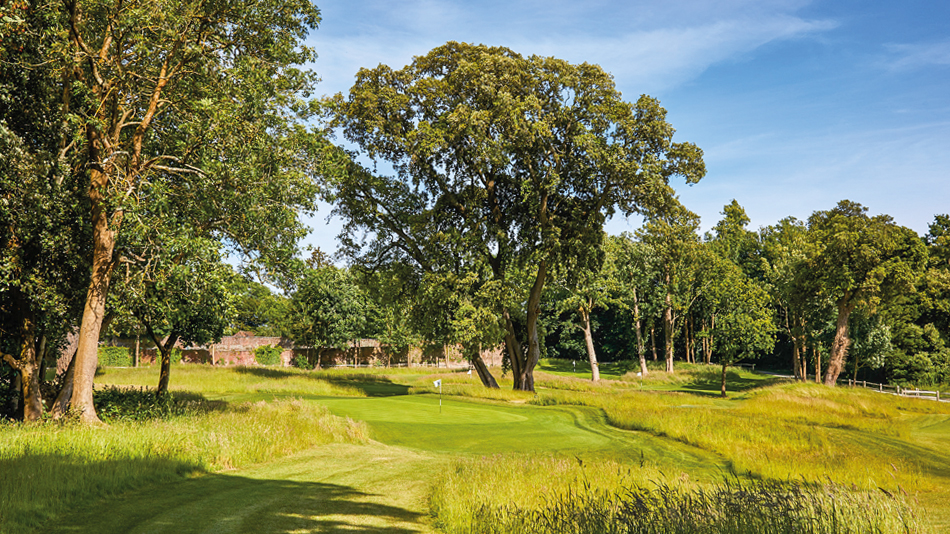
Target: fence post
(880, 387)
(938, 395)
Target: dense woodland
(148, 152)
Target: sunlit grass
(49, 468)
(503, 494)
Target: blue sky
(797, 104)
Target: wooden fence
(897, 390)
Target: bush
(114, 403)
(175, 356)
(300, 361)
(267, 354)
(114, 357)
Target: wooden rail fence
(897, 390)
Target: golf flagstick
(439, 384)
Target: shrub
(115, 403)
(114, 357)
(300, 361)
(267, 354)
(175, 356)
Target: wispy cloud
(903, 57)
(649, 46)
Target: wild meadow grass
(46, 469)
(243, 380)
(505, 494)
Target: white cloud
(919, 55)
(647, 46)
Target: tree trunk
(641, 352)
(839, 347)
(513, 348)
(165, 349)
(103, 239)
(653, 341)
(723, 389)
(817, 364)
(27, 367)
(589, 341)
(525, 380)
(61, 404)
(483, 374)
(668, 332)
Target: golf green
(481, 428)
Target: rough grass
(218, 381)
(50, 468)
(551, 495)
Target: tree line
(142, 148)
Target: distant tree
(328, 309)
(672, 236)
(187, 300)
(744, 325)
(258, 309)
(859, 261)
(517, 161)
(784, 248)
(638, 274)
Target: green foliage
(268, 354)
(114, 357)
(114, 403)
(329, 309)
(175, 355)
(301, 362)
(472, 130)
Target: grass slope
(665, 427)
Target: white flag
(469, 371)
(438, 383)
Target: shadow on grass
(709, 383)
(370, 384)
(223, 503)
(37, 487)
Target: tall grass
(49, 468)
(548, 495)
(239, 380)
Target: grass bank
(551, 496)
(50, 468)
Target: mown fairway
(386, 485)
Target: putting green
(415, 422)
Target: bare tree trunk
(513, 348)
(817, 364)
(589, 341)
(668, 332)
(637, 322)
(27, 366)
(61, 404)
(653, 341)
(164, 348)
(104, 234)
(483, 373)
(839, 348)
(526, 378)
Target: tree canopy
(517, 161)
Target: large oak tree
(518, 160)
